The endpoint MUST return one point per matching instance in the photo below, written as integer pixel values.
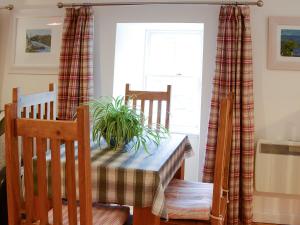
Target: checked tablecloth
(136, 178)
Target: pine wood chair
(37, 130)
(203, 203)
(151, 96)
(40, 105)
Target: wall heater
(277, 182)
(277, 167)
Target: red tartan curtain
(234, 74)
(76, 61)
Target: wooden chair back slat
(150, 113)
(149, 96)
(39, 111)
(134, 104)
(142, 110)
(56, 181)
(24, 113)
(52, 111)
(32, 113)
(158, 114)
(28, 178)
(56, 132)
(71, 182)
(223, 150)
(42, 180)
(44, 101)
(52, 88)
(84, 160)
(47, 113)
(12, 166)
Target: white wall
(4, 27)
(276, 93)
(277, 107)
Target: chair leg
(144, 216)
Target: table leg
(144, 216)
(180, 172)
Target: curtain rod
(258, 3)
(9, 7)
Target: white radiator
(277, 182)
(277, 167)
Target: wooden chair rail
(63, 130)
(148, 95)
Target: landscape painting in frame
(290, 42)
(38, 41)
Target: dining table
(136, 178)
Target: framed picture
(284, 43)
(36, 45)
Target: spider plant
(118, 124)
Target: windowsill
(189, 132)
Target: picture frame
(284, 43)
(36, 43)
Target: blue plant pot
(113, 142)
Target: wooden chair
(40, 105)
(151, 96)
(203, 203)
(38, 131)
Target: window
(151, 56)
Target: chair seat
(189, 200)
(102, 215)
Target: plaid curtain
(234, 74)
(76, 61)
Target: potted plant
(118, 124)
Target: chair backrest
(38, 105)
(39, 131)
(151, 97)
(223, 150)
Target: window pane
(150, 56)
